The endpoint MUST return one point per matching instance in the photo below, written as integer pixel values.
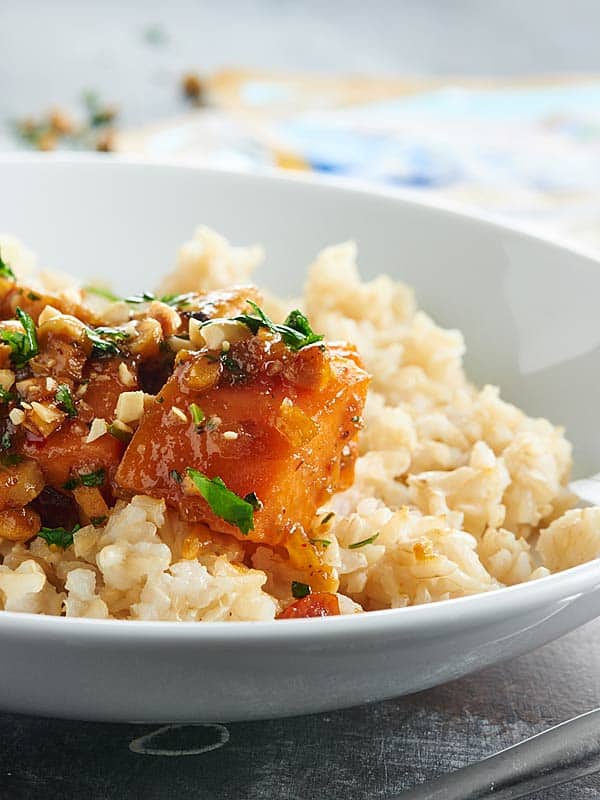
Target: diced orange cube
(278, 424)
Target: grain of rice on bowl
(455, 491)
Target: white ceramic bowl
(529, 311)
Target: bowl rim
(456, 613)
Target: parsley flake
(254, 501)
(295, 332)
(323, 542)
(58, 536)
(93, 478)
(64, 398)
(23, 346)
(6, 271)
(7, 397)
(370, 540)
(197, 415)
(300, 590)
(223, 502)
(105, 340)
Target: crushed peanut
(97, 429)
(130, 406)
(48, 313)
(216, 331)
(125, 375)
(7, 379)
(16, 416)
(177, 412)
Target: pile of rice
(462, 491)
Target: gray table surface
(53, 51)
(362, 753)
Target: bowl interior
(527, 308)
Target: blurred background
(488, 104)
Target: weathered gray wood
(368, 752)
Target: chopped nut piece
(146, 339)
(47, 314)
(130, 406)
(16, 416)
(44, 419)
(215, 332)
(167, 317)
(97, 429)
(125, 375)
(177, 412)
(7, 379)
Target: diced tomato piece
(319, 604)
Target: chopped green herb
(176, 476)
(197, 415)
(327, 517)
(105, 340)
(23, 345)
(254, 501)
(357, 420)
(295, 331)
(223, 502)
(175, 300)
(10, 459)
(100, 291)
(5, 441)
(300, 590)
(300, 334)
(235, 369)
(58, 536)
(211, 424)
(64, 398)
(145, 297)
(322, 542)
(178, 300)
(93, 478)
(7, 397)
(71, 483)
(119, 433)
(370, 540)
(5, 270)
(33, 296)
(98, 522)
